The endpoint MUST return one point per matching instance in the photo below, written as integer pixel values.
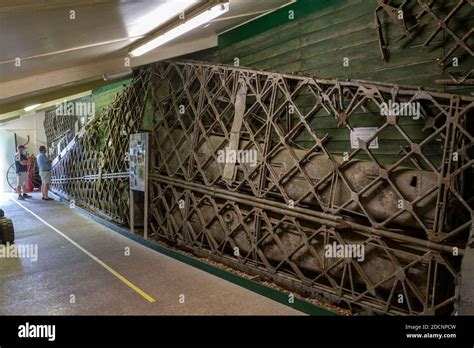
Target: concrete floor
(63, 269)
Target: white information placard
(364, 133)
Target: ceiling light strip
(209, 13)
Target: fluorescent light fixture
(119, 75)
(158, 16)
(31, 107)
(189, 25)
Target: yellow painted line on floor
(93, 257)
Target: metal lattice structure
(93, 168)
(279, 214)
(411, 212)
(458, 40)
(59, 129)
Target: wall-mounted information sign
(138, 161)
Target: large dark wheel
(11, 177)
(7, 233)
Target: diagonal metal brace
(393, 14)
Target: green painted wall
(323, 33)
(297, 10)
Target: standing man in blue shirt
(21, 166)
(44, 164)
